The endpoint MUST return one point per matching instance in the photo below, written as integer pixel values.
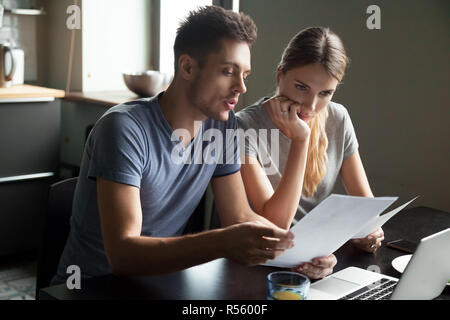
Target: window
(115, 40)
(172, 12)
(130, 36)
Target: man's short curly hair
(199, 34)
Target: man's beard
(195, 98)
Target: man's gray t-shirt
(132, 144)
(342, 143)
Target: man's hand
(320, 267)
(253, 243)
(370, 243)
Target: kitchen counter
(103, 98)
(26, 92)
(29, 93)
(30, 138)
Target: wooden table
(223, 279)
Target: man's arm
(231, 202)
(129, 253)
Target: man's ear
(186, 66)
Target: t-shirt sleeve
(350, 141)
(247, 136)
(116, 150)
(230, 161)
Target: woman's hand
(319, 268)
(370, 243)
(283, 113)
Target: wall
(396, 88)
(53, 47)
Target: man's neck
(179, 112)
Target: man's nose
(240, 86)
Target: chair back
(56, 229)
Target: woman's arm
(356, 184)
(354, 177)
(278, 206)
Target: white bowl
(147, 83)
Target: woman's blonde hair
(309, 46)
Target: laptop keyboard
(379, 290)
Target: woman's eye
(228, 72)
(301, 87)
(325, 94)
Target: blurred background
(396, 88)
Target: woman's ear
(186, 66)
(279, 74)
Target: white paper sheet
(379, 221)
(329, 225)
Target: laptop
(424, 278)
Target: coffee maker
(11, 58)
(6, 78)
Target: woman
(317, 142)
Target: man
(133, 200)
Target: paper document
(378, 222)
(332, 223)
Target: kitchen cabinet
(29, 160)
